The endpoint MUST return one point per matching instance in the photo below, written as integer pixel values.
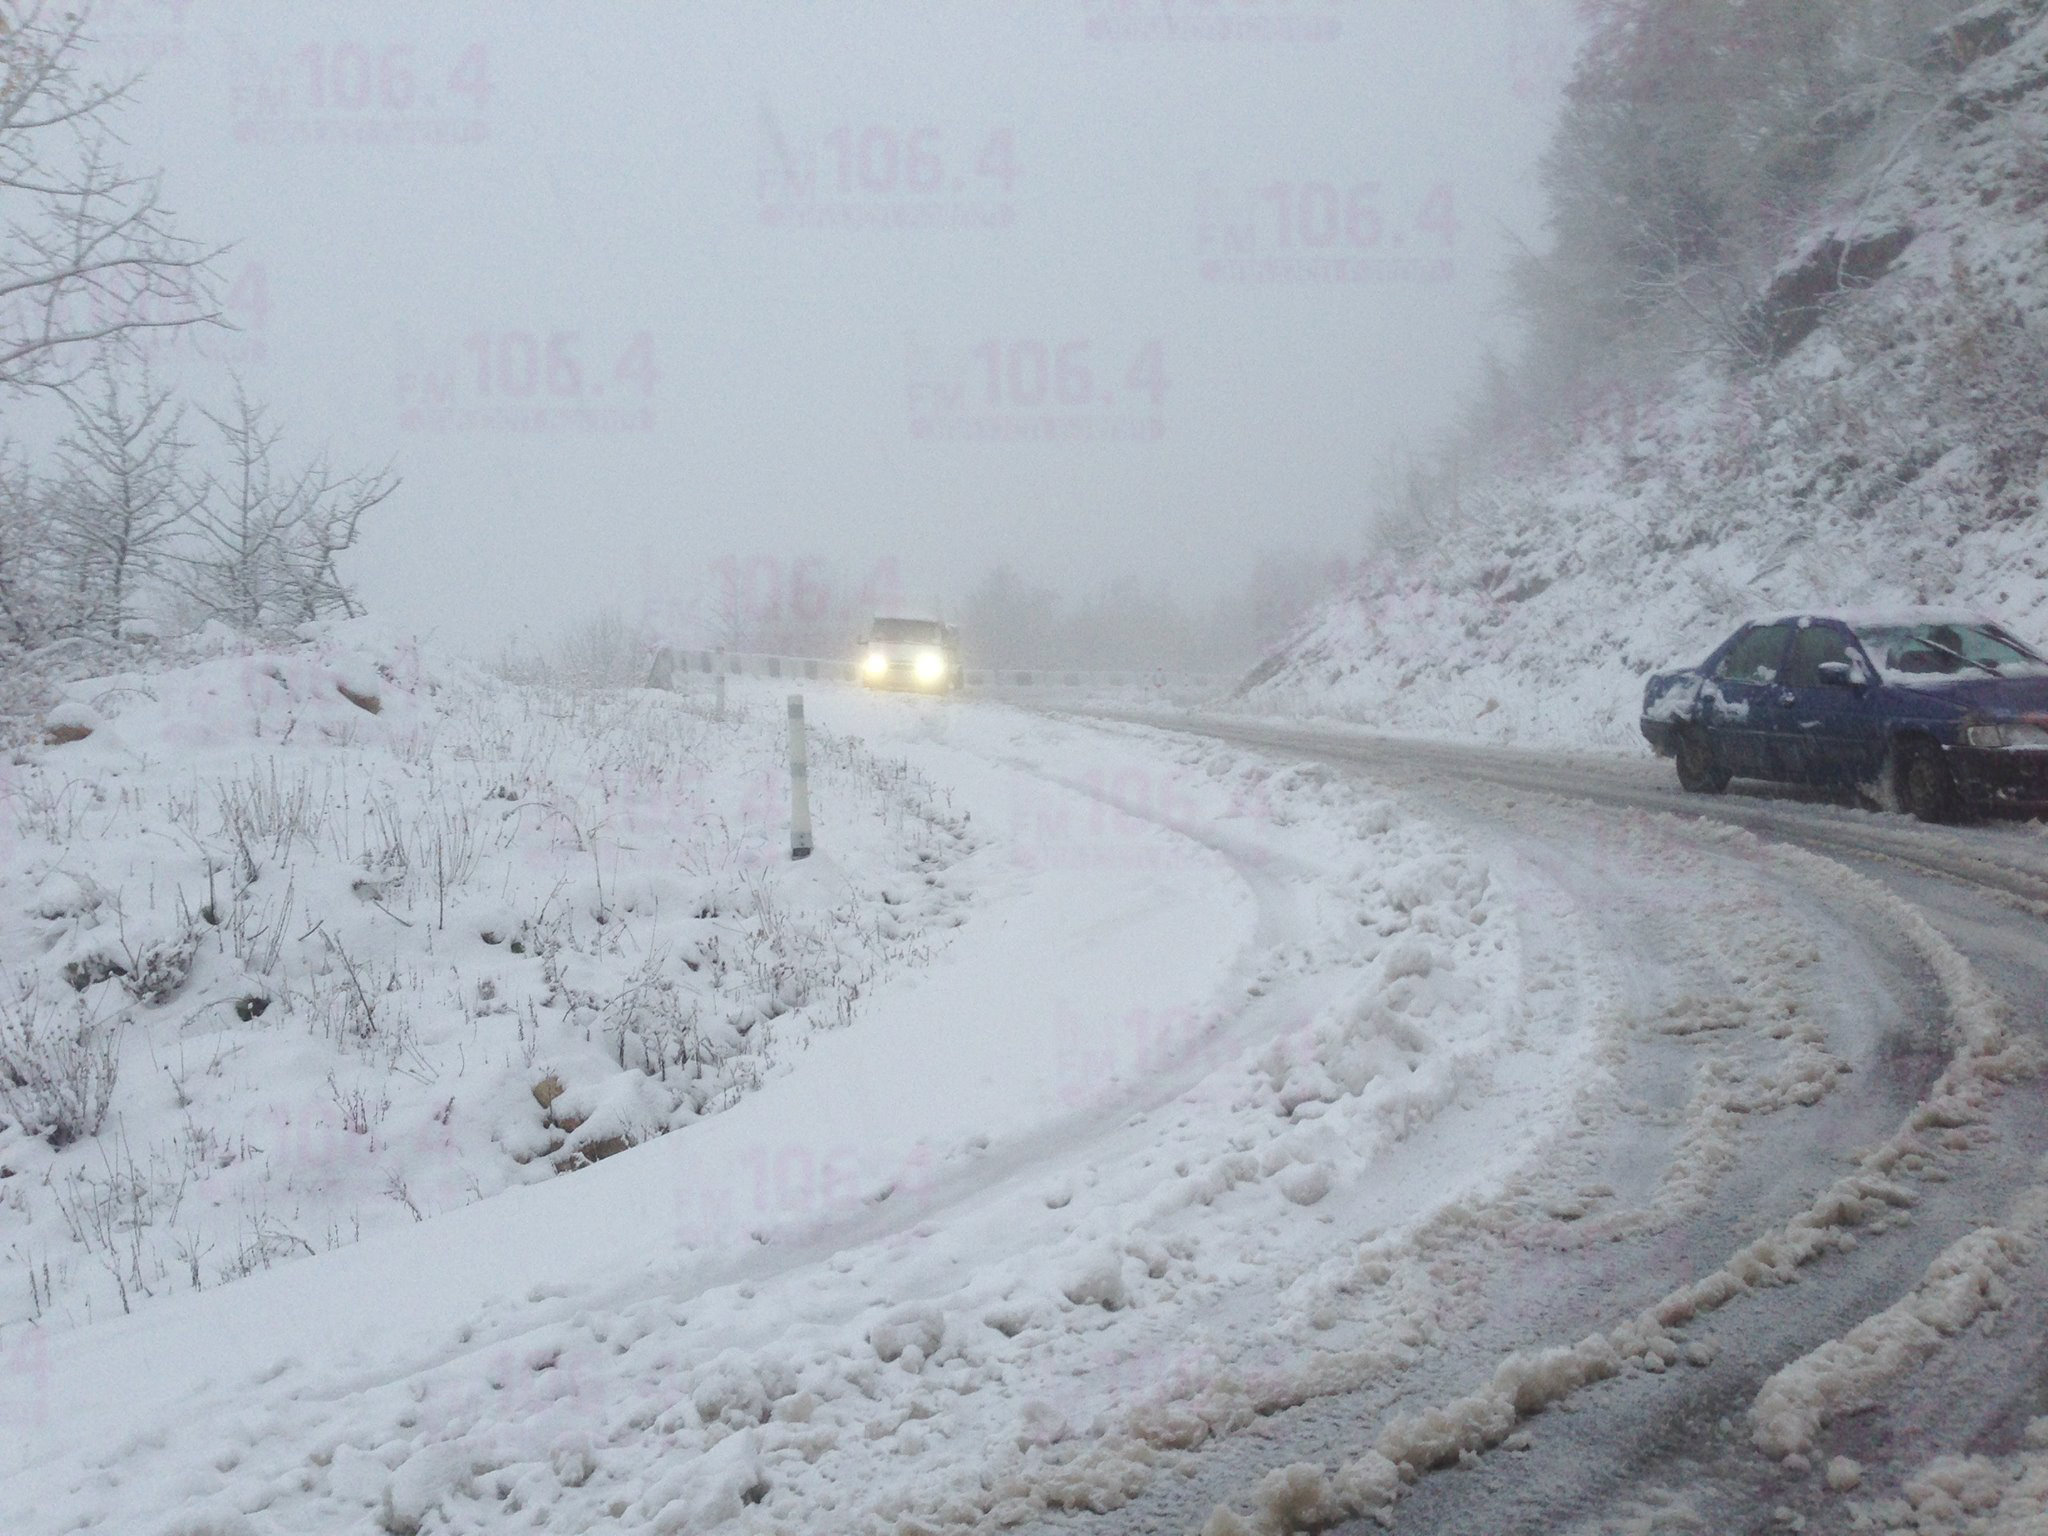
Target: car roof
(1871, 618)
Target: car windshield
(907, 632)
(1938, 650)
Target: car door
(1820, 731)
(1737, 700)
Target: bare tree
(732, 623)
(267, 540)
(1692, 146)
(86, 250)
(1009, 622)
(326, 517)
(26, 614)
(242, 522)
(123, 492)
(88, 262)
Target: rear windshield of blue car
(1912, 652)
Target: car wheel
(1926, 787)
(1699, 771)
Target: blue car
(1942, 715)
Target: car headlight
(931, 666)
(2020, 734)
(876, 664)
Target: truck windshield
(907, 632)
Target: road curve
(1655, 1450)
(2008, 859)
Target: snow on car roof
(1873, 618)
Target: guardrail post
(799, 783)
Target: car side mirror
(1840, 674)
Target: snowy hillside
(1880, 443)
(302, 945)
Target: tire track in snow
(1305, 1496)
(1999, 865)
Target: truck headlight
(2019, 734)
(931, 666)
(875, 664)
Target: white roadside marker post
(799, 783)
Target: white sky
(424, 197)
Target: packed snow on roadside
(302, 945)
(1973, 1495)
(1974, 1277)
(1100, 1179)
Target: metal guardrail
(671, 666)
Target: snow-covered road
(1291, 1113)
(1881, 1365)
(1082, 1195)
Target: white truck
(921, 655)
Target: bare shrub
(57, 1072)
(155, 972)
(261, 807)
(111, 1216)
